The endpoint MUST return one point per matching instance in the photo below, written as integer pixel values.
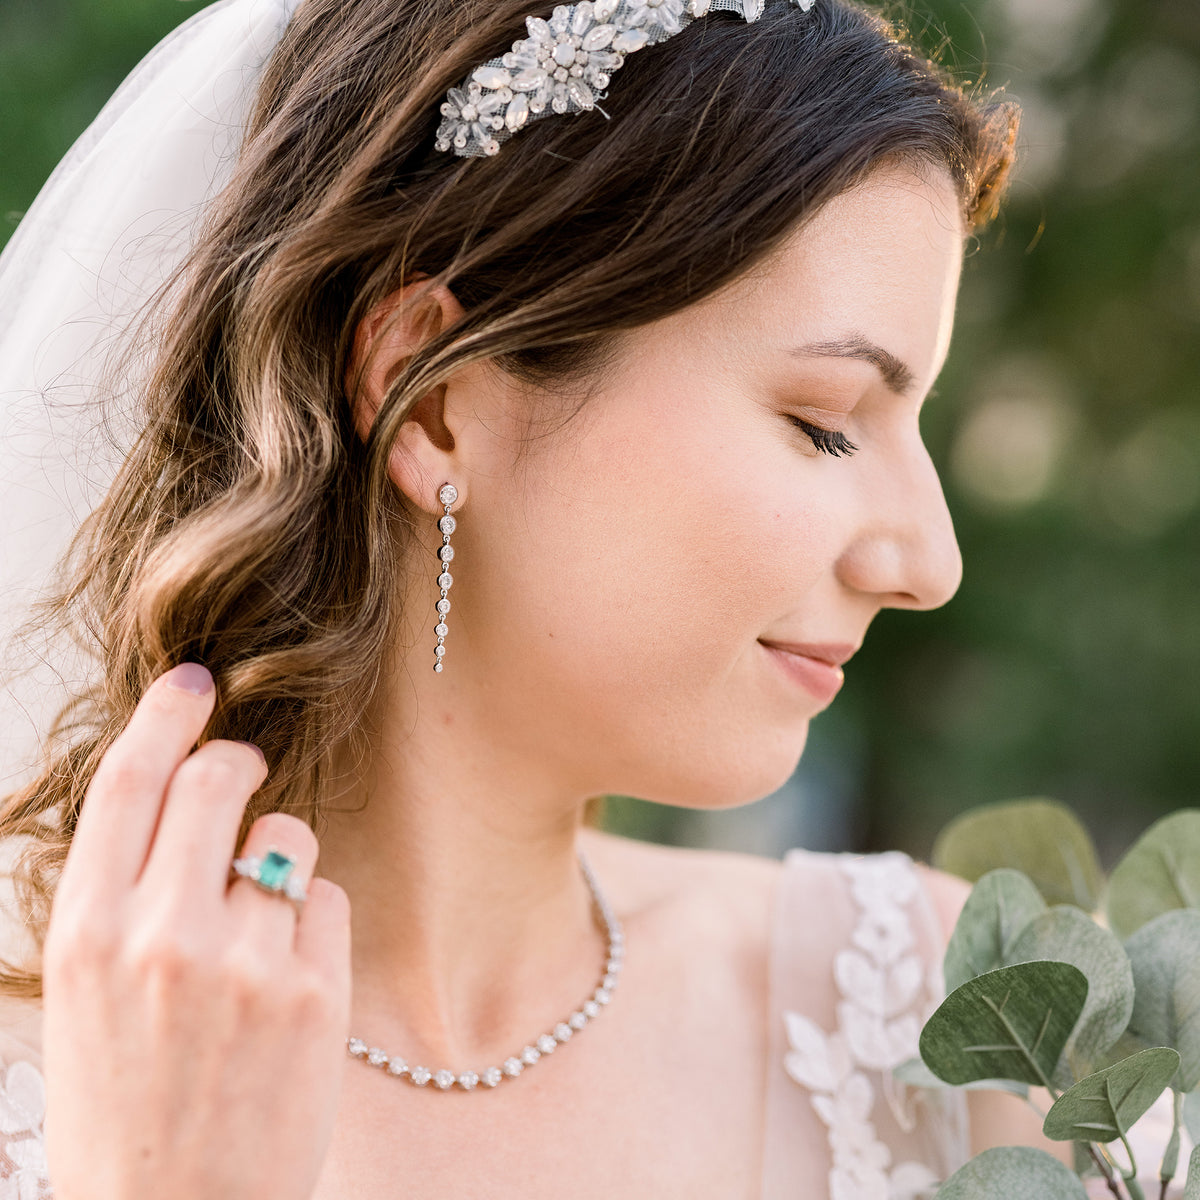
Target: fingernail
(255, 749)
(190, 677)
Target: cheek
(636, 578)
(650, 557)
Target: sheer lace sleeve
(22, 1104)
(22, 1090)
(855, 971)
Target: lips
(835, 653)
(820, 677)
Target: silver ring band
(272, 873)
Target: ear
(423, 453)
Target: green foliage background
(1066, 424)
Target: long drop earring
(447, 495)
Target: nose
(904, 552)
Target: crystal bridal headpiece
(564, 65)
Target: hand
(194, 1031)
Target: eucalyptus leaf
(1192, 1190)
(1104, 1106)
(1006, 1172)
(1069, 935)
(915, 1073)
(1011, 1023)
(1165, 957)
(1085, 1165)
(1123, 1047)
(1042, 838)
(999, 907)
(1159, 873)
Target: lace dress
(855, 969)
(22, 1090)
(856, 956)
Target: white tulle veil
(110, 225)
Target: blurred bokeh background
(1066, 427)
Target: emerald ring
(272, 873)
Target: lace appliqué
(23, 1172)
(880, 978)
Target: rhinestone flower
(666, 13)
(472, 114)
(566, 58)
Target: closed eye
(828, 441)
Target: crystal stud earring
(447, 495)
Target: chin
(784, 756)
(741, 774)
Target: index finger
(121, 809)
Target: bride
(461, 493)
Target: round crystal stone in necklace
(542, 1046)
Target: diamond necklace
(589, 1010)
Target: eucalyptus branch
(1099, 1153)
(1135, 1188)
(1105, 1168)
(1170, 1158)
(1037, 983)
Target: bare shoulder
(948, 893)
(725, 890)
(713, 892)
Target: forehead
(881, 261)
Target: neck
(473, 928)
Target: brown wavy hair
(250, 528)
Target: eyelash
(827, 441)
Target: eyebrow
(897, 375)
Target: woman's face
(614, 592)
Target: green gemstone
(275, 869)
